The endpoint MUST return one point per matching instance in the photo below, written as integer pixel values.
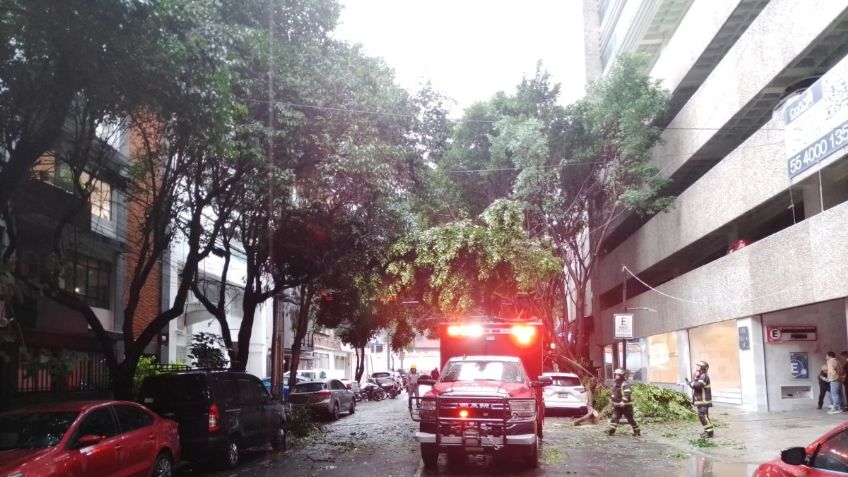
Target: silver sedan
(328, 397)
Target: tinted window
(227, 391)
(166, 390)
(131, 418)
(833, 454)
(309, 387)
(98, 422)
(251, 390)
(36, 430)
(338, 385)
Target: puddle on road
(700, 466)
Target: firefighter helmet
(620, 372)
(703, 365)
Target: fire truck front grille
(472, 409)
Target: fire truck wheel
(429, 454)
(531, 460)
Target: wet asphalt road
(378, 440)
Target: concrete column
(684, 359)
(752, 369)
(812, 199)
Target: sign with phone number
(820, 150)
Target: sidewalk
(749, 437)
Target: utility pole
(624, 310)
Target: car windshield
(565, 381)
(309, 387)
(36, 430)
(483, 371)
(385, 380)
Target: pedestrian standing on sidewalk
(413, 382)
(622, 403)
(702, 396)
(824, 386)
(834, 374)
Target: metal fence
(88, 379)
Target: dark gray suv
(219, 413)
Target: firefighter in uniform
(622, 403)
(702, 396)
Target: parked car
(267, 383)
(100, 438)
(328, 397)
(566, 393)
(826, 456)
(219, 412)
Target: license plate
(471, 438)
(563, 395)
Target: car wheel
(231, 454)
(278, 442)
(352, 406)
(164, 466)
(335, 415)
(430, 455)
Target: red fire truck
(488, 398)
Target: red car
(827, 456)
(101, 438)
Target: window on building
(91, 280)
(323, 360)
(49, 170)
(339, 362)
(663, 359)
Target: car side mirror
(794, 456)
(427, 381)
(88, 440)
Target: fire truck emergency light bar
(523, 333)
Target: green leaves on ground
(650, 402)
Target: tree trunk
(300, 331)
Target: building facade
(749, 269)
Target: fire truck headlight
(523, 408)
(524, 334)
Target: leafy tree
(472, 265)
(583, 167)
(206, 349)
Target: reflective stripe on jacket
(621, 393)
(702, 395)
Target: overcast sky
(470, 49)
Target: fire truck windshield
(483, 371)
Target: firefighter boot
(637, 432)
(707, 434)
(611, 431)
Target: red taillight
(214, 418)
(323, 395)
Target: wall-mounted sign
(799, 365)
(623, 325)
(816, 120)
(744, 340)
(782, 334)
